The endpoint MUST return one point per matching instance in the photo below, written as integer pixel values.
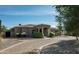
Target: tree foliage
(0, 27)
(60, 23)
(70, 17)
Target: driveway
(28, 45)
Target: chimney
(19, 24)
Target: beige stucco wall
(28, 30)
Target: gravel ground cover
(63, 47)
(8, 42)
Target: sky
(12, 15)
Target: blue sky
(12, 15)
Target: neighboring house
(53, 29)
(29, 29)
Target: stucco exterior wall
(44, 29)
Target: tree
(1, 32)
(60, 23)
(70, 17)
(4, 28)
(0, 27)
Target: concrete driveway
(33, 44)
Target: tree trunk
(76, 37)
(1, 39)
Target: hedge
(37, 35)
(51, 34)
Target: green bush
(51, 34)
(37, 35)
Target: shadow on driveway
(62, 47)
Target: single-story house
(29, 29)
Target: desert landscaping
(30, 29)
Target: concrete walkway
(30, 45)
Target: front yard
(62, 47)
(8, 42)
(55, 45)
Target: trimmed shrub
(18, 35)
(37, 35)
(51, 34)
